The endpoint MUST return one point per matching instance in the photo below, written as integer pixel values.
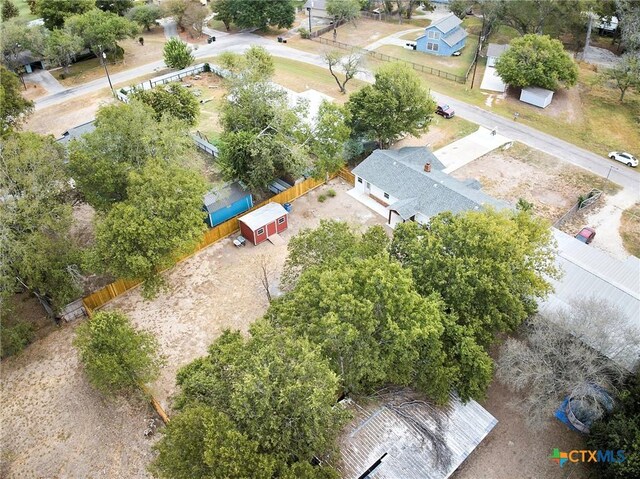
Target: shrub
(304, 33)
(331, 193)
(322, 198)
(206, 68)
(14, 339)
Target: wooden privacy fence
(115, 289)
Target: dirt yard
(57, 119)
(366, 31)
(54, 425)
(551, 185)
(513, 450)
(441, 133)
(630, 229)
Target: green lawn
(455, 65)
(23, 8)
(605, 123)
(503, 34)
(450, 130)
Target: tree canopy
(126, 137)
(488, 266)
(625, 74)
(9, 10)
(101, 30)
(55, 12)
(255, 13)
(119, 7)
(395, 105)
(620, 431)
(276, 389)
(537, 60)
(61, 48)
(328, 139)
(172, 99)
(177, 54)
(264, 138)
(145, 15)
(343, 10)
(160, 220)
(116, 357)
(13, 106)
(35, 219)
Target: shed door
(271, 229)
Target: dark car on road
(586, 235)
(445, 111)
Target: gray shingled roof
(77, 132)
(224, 196)
(455, 36)
(403, 177)
(446, 24)
(495, 49)
(418, 439)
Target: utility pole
(588, 39)
(104, 57)
(480, 39)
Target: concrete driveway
(457, 154)
(491, 81)
(45, 80)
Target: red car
(445, 111)
(586, 235)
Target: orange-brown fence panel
(102, 296)
(347, 176)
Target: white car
(626, 158)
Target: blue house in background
(226, 202)
(442, 37)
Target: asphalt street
(600, 165)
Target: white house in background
(409, 185)
(493, 53)
(536, 96)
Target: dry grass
(441, 132)
(552, 185)
(134, 56)
(630, 230)
(366, 31)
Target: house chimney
(427, 167)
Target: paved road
(597, 164)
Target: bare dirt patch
(365, 32)
(514, 450)
(33, 91)
(522, 172)
(219, 287)
(57, 119)
(54, 425)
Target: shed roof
(495, 49)
(420, 440)
(446, 24)
(591, 273)
(402, 176)
(224, 196)
(541, 93)
(263, 215)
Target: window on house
(386, 196)
(433, 47)
(281, 220)
(436, 35)
(430, 34)
(359, 180)
(429, 46)
(260, 231)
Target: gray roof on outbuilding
(224, 196)
(593, 274)
(495, 49)
(77, 132)
(418, 439)
(446, 24)
(401, 175)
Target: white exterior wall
(422, 219)
(491, 61)
(374, 191)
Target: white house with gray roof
(409, 185)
